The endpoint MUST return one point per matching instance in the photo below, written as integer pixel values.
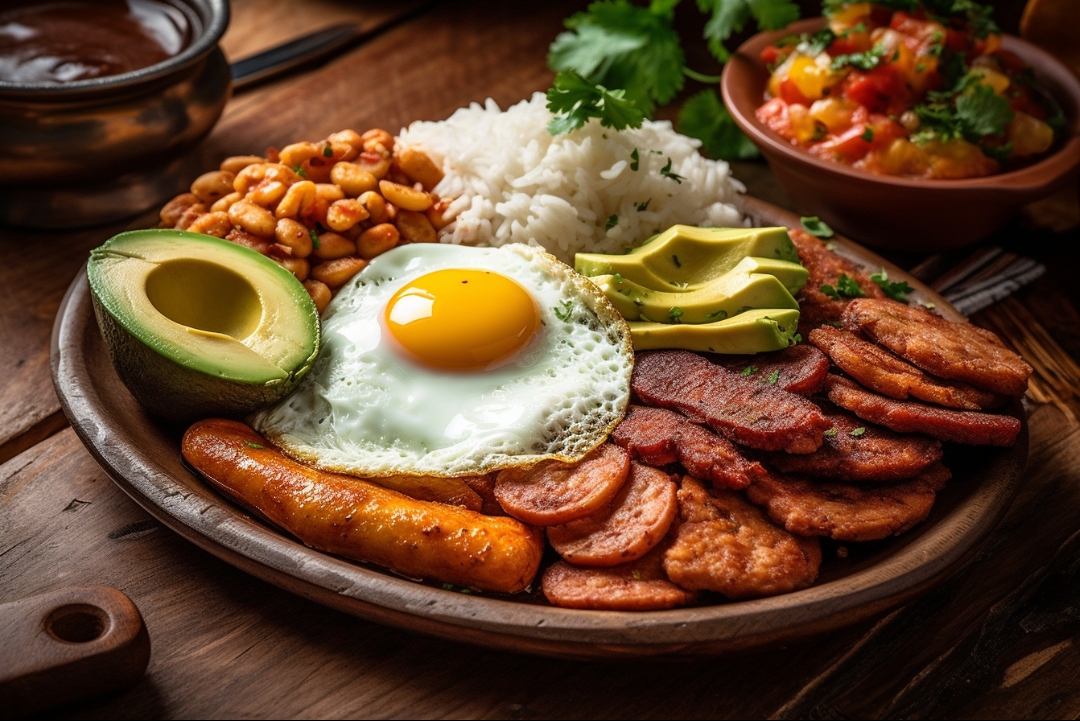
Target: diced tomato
(791, 94)
(770, 54)
(775, 115)
(878, 89)
(923, 31)
(847, 147)
(885, 130)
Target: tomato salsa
(917, 89)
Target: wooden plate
(143, 457)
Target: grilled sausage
(361, 520)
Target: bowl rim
(214, 16)
(1035, 177)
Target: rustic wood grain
(228, 644)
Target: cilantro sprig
(846, 287)
(704, 116)
(574, 100)
(968, 110)
(618, 61)
(816, 227)
(897, 291)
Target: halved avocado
(198, 326)
(685, 258)
(753, 283)
(754, 331)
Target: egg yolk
(462, 320)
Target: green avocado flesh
(198, 326)
(724, 290)
(687, 257)
(753, 283)
(754, 331)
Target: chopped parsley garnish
(773, 377)
(327, 151)
(635, 160)
(642, 207)
(750, 370)
(816, 227)
(830, 433)
(618, 279)
(314, 239)
(448, 587)
(666, 172)
(565, 311)
(858, 432)
(611, 222)
(896, 291)
(637, 575)
(299, 170)
(675, 260)
(868, 134)
(716, 314)
(798, 338)
(863, 61)
(256, 446)
(674, 314)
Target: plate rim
(216, 525)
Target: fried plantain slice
(956, 351)
(846, 512)
(857, 451)
(882, 372)
(977, 429)
(727, 545)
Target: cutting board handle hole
(77, 623)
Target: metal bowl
(94, 151)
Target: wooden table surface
(997, 639)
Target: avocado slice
(753, 331)
(685, 258)
(753, 283)
(198, 326)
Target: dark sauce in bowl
(63, 42)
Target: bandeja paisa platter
(854, 581)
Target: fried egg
(448, 360)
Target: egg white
(367, 410)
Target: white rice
(513, 182)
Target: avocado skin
(180, 389)
(150, 377)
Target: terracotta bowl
(903, 213)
